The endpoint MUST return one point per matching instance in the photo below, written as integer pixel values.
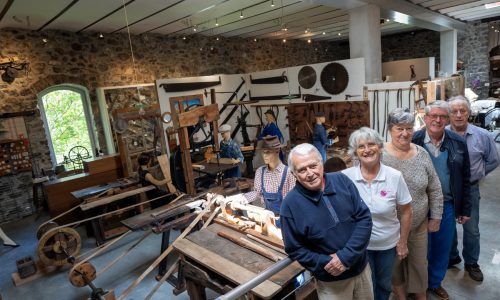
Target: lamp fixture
(241, 14)
(11, 70)
(272, 3)
(284, 40)
(309, 41)
(491, 5)
(194, 29)
(339, 34)
(255, 40)
(324, 33)
(100, 35)
(216, 23)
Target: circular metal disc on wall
(334, 78)
(307, 77)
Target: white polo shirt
(386, 191)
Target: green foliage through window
(67, 124)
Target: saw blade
(334, 78)
(307, 77)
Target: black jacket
(459, 166)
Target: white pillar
(448, 52)
(364, 40)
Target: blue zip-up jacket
(459, 166)
(311, 233)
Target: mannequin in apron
(273, 180)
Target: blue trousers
(471, 246)
(382, 264)
(233, 172)
(439, 245)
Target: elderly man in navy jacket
(450, 158)
(326, 227)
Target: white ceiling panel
(32, 14)
(261, 20)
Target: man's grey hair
(400, 116)
(459, 100)
(302, 149)
(437, 104)
(364, 133)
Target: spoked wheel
(59, 246)
(78, 154)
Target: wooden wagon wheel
(44, 228)
(59, 246)
(81, 274)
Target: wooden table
(101, 205)
(209, 260)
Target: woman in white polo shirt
(384, 191)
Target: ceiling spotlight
(339, 34)
(241, 14)
(255, 40)
(100, 35)
(216, 23)
(272, 3)
(201, 48)
(324, 33)
(45, 40)
(306, 31)
(194, 29)
(284, 40)
(217, 38)
(491, 5)
(309, 41)
(183, 37)
(492, 27)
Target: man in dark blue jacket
(326, 227)
(450, 158)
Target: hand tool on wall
(188, 86)
(376, 111)
(386, 112)
(307, 77)
(234, 95)
(270, 80)
(311, 97)
(413, 75)
(399, 98)
(276, 97)
(334, 78)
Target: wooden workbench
(219, 264)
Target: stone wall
(414, 44)
(473, 45)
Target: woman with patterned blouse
(413, 161)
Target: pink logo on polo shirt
(383, 193)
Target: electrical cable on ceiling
(133, 57)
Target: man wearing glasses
(483, 157)
(450, 158)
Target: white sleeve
(403, 194)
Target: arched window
(69, 126)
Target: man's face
(459, 115)
(226, 135)
(308, 171)
(269, 155)
(269, 118)
(436, 120)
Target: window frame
(87, 110)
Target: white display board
(229, 84)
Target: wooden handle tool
(241, 241)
